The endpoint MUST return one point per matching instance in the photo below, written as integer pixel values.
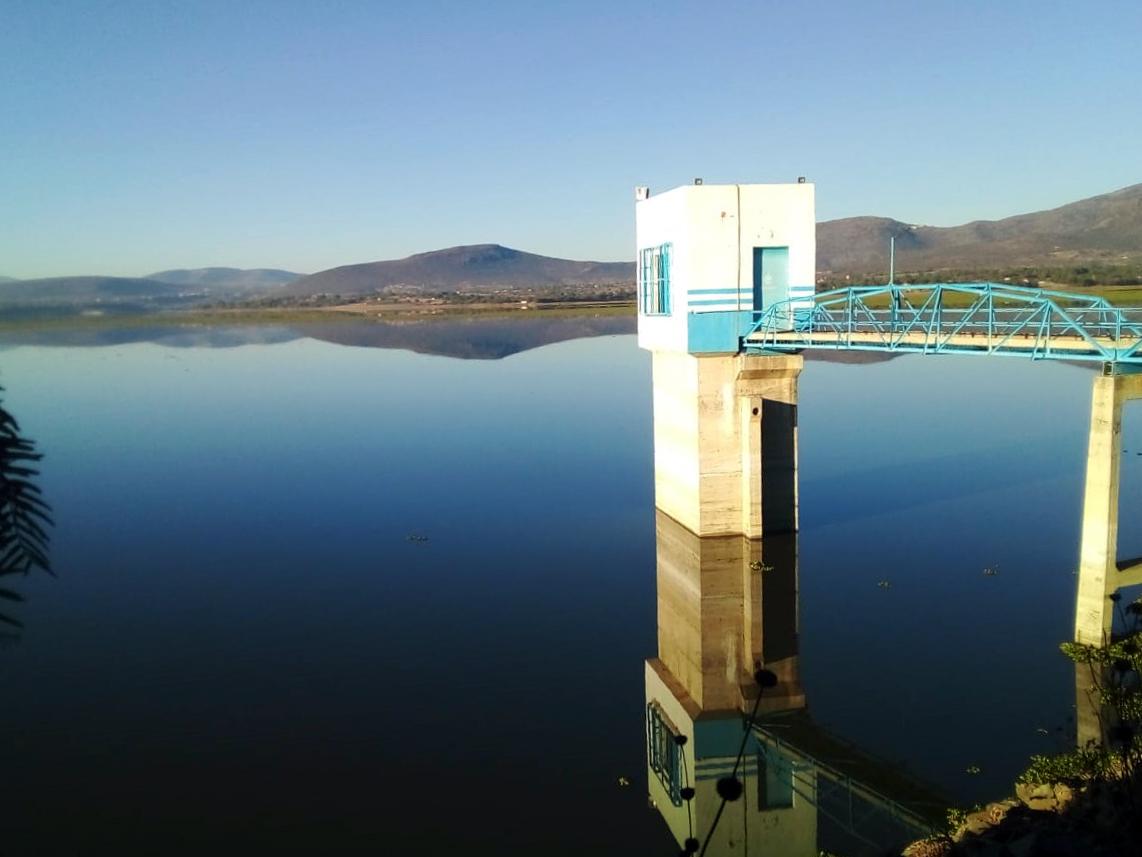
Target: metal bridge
(955, 318)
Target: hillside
(480, 266)
(1106, 228)
(226, 278)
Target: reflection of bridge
(953, 318)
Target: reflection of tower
(725, 605)
(1101, 575)
(725, 463)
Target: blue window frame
(664, 752)
(654, 280)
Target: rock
(934, 847)
(997, 811)
(1044, 797)
(975, 823)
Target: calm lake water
(244, 650)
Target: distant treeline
(537, 295)
(1089, 274)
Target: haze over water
(243, 645)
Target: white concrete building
(711, 258)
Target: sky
(140, 136)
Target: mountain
(86, 290)
(456, 269)
(225, 278)
(8, 280)
(1106, 228)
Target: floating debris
(884, 584)
(991, 571)
(1043, 731)
(624, 782)
(973, 769)
(413, 537)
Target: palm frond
(24, 515)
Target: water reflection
(727, 609)
(466, 337)
(734, 760)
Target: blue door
(770, 277)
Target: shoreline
(342, 314)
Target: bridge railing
(987, 318)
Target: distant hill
(85, 290)
(477, 266)
(1106, 228)
(7, 279)
(226, 278)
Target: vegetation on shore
(1084, 276)
(335, 314)
(1087, 800)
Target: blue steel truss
(983, 318)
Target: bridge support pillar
(725, 442)
(1100, 573)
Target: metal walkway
(954, 318)
(849, 787)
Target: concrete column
(1100, 573)
(1099, 546)
(725, 442)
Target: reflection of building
(725, 607)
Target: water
(243, 647)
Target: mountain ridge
(1099, 228)
(456, 269)
(1104, 229)
(230, 278)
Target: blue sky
(145, 135)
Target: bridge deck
(921, 341)
(963, 318)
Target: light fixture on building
(641, 192)
(800, 180)
(697, 181)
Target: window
(654, 280)
(664, 752)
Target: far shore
(355, 312)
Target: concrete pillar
(1100, 573)
(725, 442)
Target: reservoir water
(315, 597)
